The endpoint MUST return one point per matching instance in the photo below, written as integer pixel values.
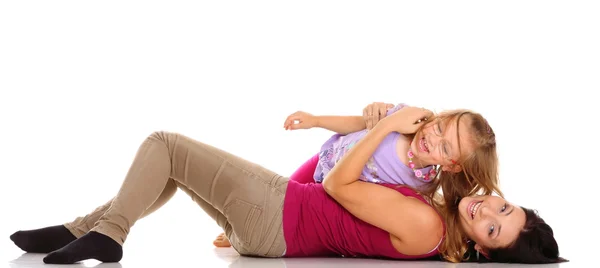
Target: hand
(374, 112)
(407, 120)
(304, 121)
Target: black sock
(43, 240)
(92, 245)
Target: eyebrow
(512, 208)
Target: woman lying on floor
(267, 215)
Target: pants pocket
(244, 218)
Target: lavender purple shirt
(384, 166)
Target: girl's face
(438, 143)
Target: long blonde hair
(479, 175)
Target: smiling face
(490, 221)
(439, 143)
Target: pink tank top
(314, 224)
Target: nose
(486, 212)
(434, 141)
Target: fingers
(423, 115)
(382, 112)
(373, 113)
(290, 120)
(294, 121)
(367, 117)
(427, 113)
(379, 111)
(293, 124)
(376, 114)
(369, 120)
(371, 117)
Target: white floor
(171, 249)
(228, 258)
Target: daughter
(454, 151)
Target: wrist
(318, 121)
(383, 126)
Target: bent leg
(144, 183)
(51, 238)
(82, 225)
(249, 196)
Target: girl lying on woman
(265, 214)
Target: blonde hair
(479, 175)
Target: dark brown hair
(534, 245)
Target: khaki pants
(245, 199)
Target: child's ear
(453, 168)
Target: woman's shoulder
(425, 230)
(425, 227)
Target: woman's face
(490, 221)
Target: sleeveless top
(314, 224)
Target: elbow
(340, 192)
(330, 186)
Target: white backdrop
(83, 83)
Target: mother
(264, 214)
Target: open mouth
(423, 147)
(473, 207)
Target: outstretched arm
(339, 124)
(372, 114)
(415, 227)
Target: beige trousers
(245, 199)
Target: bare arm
(414, 227)
(348, 124)
(341, 124)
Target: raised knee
(162, 135)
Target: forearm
(341, 124)
(349, 168)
